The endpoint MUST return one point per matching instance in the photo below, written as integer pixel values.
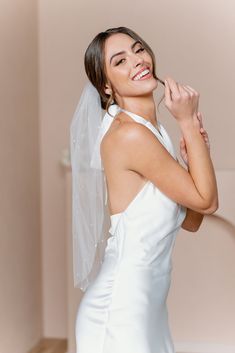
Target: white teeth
(145, 72)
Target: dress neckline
(158, 129)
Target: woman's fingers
(188, 90)
(183, 150)
(173, 87)
(204, 134)
(182, 144)
(203, 131)
(176, 88)
(182, 140)
(199, 116)
(182, 90)
(191, 89)
(180, 100)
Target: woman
(150, 197)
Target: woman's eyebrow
(122, 52)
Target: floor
(50, 345)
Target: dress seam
(117, 273)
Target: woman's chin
(148, 86)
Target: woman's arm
(196, 188)
(200, 165)
(193, 219)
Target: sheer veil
(90, 215)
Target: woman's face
(122, 68)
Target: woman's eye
(141, 49)
(119, 62)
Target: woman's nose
(137, 60)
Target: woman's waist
(141, 246)
(158, 264)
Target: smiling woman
(95, 59)
(124, 306)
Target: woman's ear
(108, 90)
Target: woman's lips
(144, 77)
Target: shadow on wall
(225, 223)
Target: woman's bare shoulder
(115, 147)
(122, 128)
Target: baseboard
(195, 347)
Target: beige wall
(201, 300)
(20, 255)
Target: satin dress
(124, 310)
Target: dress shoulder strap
(144, 121)
(159, 132)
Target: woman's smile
(146, 75)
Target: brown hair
(95, 63)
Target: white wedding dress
(124, 309)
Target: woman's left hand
(183, 149)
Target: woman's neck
(143, 106)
